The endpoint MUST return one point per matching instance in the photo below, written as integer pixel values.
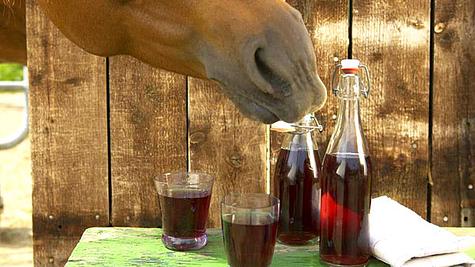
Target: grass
(11, 72)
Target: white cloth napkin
(400, 237)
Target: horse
(259, 52)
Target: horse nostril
(278, 84)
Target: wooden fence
(102, 128)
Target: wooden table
(143, 247)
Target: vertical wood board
(392, 39)
(224, 143)
(453, 120)
(148, 137)
(69, 140)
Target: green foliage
(11, 72)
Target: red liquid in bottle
(297, 185)
(249, 245)
(185, 213)
(344, 209)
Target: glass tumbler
(249, 224)
(184, 200)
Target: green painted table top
(143, 247)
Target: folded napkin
(400, 237)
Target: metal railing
(20, 135)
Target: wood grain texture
(327, 24)
(453, 137)
(392, 38)
(224, 143)
(148, 137)
(69, 140)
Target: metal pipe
(12, 86)
(22, 133)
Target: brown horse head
(258, 51)
(12, 31)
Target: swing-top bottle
(297, 184)
(346, 174)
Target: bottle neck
(348, 135)
(299, 141)
(349, 87)
(349, 111)
(349, 114)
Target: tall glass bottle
(297, 184)
(346, 175)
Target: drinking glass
(249, 223)
(184, 200)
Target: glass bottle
(346, 175)
(297, 184)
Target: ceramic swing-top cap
(349, 66)
(306, 123)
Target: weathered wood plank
(69, 140)
(224, 143)
(392, 38)
(148, 137)
(327, 23)
(139, 246)
(453, 136)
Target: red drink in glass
(184, 200)
(185, 213)
(249, 224)
(249, 244)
